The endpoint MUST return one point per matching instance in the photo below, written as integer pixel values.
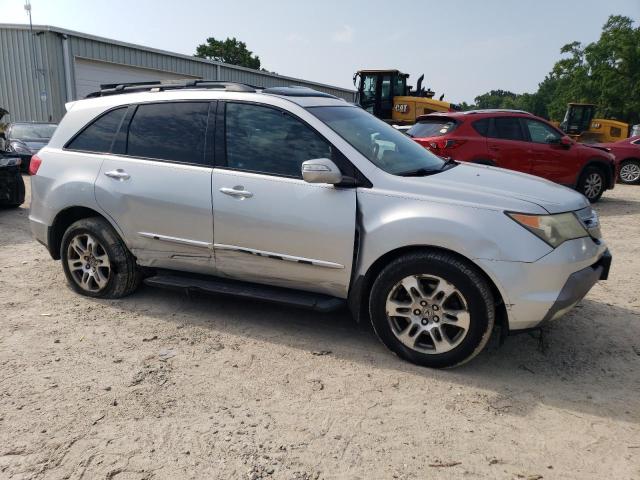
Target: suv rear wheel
(96, 261)
(432, 309)
(592, 183)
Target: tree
(230, 51)
(605, 73)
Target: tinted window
(506, 128)
(383, 145)
(98, 136)
(262, 139)
(169, 131)
(541, 133)
(482, 126)
(431, 128)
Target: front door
(270, 226)
(158, 189)
(550, 159)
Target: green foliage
(230, 51)
(605, 73)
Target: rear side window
(432, 128)
(98, 136)
(506, 128)
(169, 131)
(482, 126)
(266, 140)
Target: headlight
(8, 162)
(19, 147)
(553, 229)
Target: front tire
(96, 261)
(630, 172)
(432, 309)
(592, 184)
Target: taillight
(444, 144)
(34, 165)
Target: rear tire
(592, 183)
(630, 172)
(444, 318)
(96, 261)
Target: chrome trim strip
(182, 241)
(278, 256)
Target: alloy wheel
(88, 262)
(593, 185)
(630, 172)
(428, 314)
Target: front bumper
(578, 285)
(12, 188)
(549, 287)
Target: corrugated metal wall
(21, 88)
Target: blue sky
(464, 48)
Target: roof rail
(119, 88)
(296, 91)
(495, 110)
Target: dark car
(11, 182)
(519, 141)
(24, 139)
(627, 153)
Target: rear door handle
(118, 174)
(238, 192)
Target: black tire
(489, 163)
(629, 163)
(464, 277)
(588, 176)
(124, 275)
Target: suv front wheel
(96, 261)
(432, 309)
(592, 183)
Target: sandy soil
(160, 385)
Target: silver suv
(293, 196)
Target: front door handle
(118, 174)
(238, 192)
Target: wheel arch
(601, 165)
(358, 300)
(64, 219)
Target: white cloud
(344, 35)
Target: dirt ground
(160, 385)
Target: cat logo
(401, 108)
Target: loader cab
(577, 118)
(376, 89)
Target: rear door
(549, 158)
(506, 144)
(156, 185)
(270, 226)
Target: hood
(496, 188)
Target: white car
(294, 196)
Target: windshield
(32, 131)
(431, 128)
(383, 145)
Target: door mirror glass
(321, 170)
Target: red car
(627, 153)
(519, 141)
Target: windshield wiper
(419, 172)
(449, 162)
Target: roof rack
(495, 110)
(119, 88)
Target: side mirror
(566, 142)
(321, 170)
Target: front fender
(389, 223)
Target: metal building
(39, 73)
